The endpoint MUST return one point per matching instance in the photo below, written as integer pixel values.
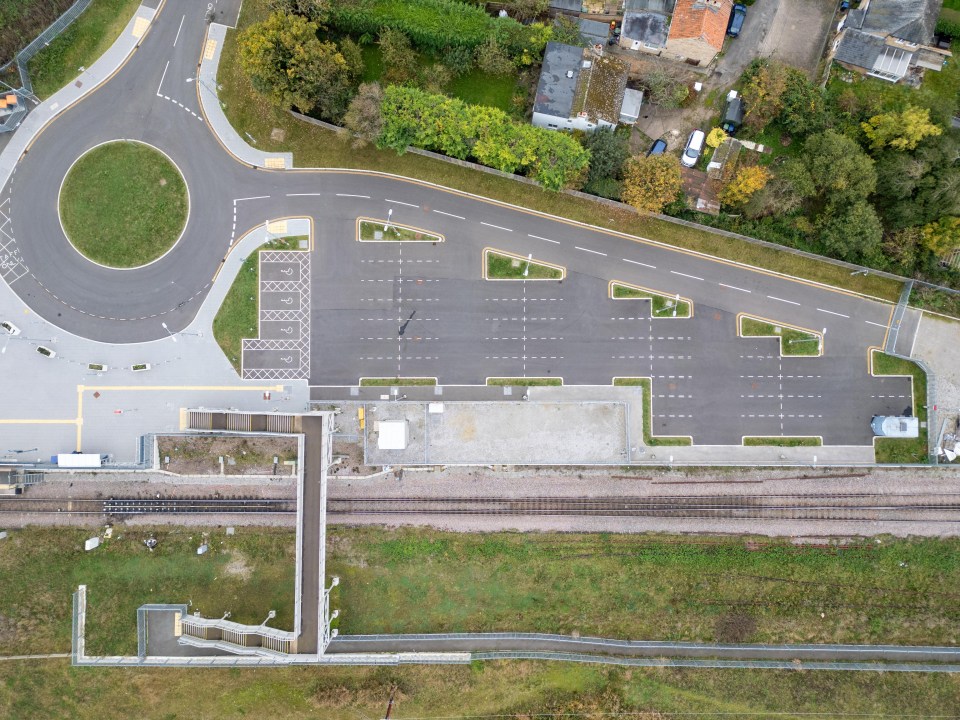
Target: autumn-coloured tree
(650, 183)
(900, 130)
(765, 83)
(744, 184)
(716, 137)
(943, 236)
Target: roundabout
(123, 204)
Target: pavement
(388, 309)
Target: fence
(23, 58)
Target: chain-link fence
(12, 120)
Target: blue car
(737, 17)
(659, 147)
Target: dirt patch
(348, 459)
(252, 455)
(735, 627)
(238, 566)
(8, 631)
(278, 135)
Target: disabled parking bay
(271, 359)
(280, 329)
(288, 271)
(288, 300)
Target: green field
(648, 437)
(792, 341)
(637, 586)
(314, 146)
(904, 450)
(123, 204)
(507, 267)
(237, 317)
(393, 233)
(660, 305)
(80, 45)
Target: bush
(485, 134)
(950, 28)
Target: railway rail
(863, 507)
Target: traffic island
(662, 305)
(397, 382)
(123, 204)
(500, 265)
(794, 341)
(903, 450)
(370, 230)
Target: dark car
(732, 116)
(659, 147)
(737, 17)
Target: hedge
(480, 133)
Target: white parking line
(255, 197)
(577, 247)
(304, 194)
(734, 287)
(880, 325)
(397, 202)
(162, 77)
(791, 302)
(458, 217)
(365, 197)
(498, 227)
(637, 262)
(692, 277)
(831, 312)
(537, 237)
(182, 18)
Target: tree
(566, 30)
(666, 89)
(764, 84)
(804, 106)
(841, 172)
(353, 56)
(526, 10)
(650, 182)
(492, 58)
(287, 63)
(943, 236)
(716, 137)
(315, 10)
(363, 117)
(399, 58)
(851, 232)
(435, 78)
(900, 130)
(609, 151)
(920, 187)
(744, 184)
(458, 59)
(783, 194)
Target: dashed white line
(365, 197)
(791, 302)
(637, 262)
(588, 250)
(304, 194)
(692, 277)
(880, 325)
(734, 287)
(398, 202)
(831, 312)
(537, 237)
(458, 217)
(498, 227)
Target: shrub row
(431, 24)
(484, 134)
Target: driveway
(792, 32)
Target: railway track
(836, 507)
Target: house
(697, 30)
(566, 6)
(890, 39)
(645, 25)
(579, 89)
(594, 32)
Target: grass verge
(314, 146)
(123, 204)
(903, 450)
(782, 441)
(237, 317)
(402, 382)
(793, 341)
(503, 266)
(661, 305)
(85, 40)
(648, 437)
(373, 231)
(524, 382)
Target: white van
(691, 153)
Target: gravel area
(936, 344)
(249, 455)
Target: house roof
(555, 91)
(701, 20)
(860, 49)
(569, 5)
(650, 28)
(600, 88)
(910, 20)
(594, 31)
(664, 7)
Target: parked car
(9, 328)
(733, 113)
(737, 17)
(659, 147)
(691, 153)
(844, 5)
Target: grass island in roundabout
(123, 204)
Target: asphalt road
(461, 329)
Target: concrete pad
(270, 359)
(291, 300)
(281, 271)
(280, 329)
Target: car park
(659, 147)
(9, 328)
(693, 148)
(737, 17)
